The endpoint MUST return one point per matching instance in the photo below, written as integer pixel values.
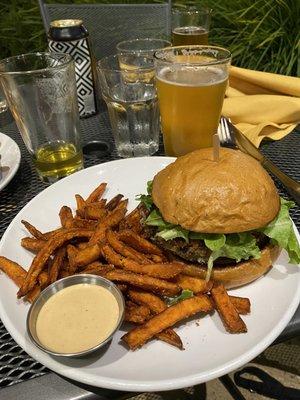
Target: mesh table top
(15, 365)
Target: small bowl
(62, 284)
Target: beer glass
(40, 89)
(190, 26)
(132, 104)
(191, 83)
(145, 47)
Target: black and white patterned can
(70, 36)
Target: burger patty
(195, 250)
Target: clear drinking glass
(41, 93)
(3, 103)
(145, 47)
(190, 26)
(132, 105)
(191, 83)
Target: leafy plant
(261, 34)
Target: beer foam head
(193, 75)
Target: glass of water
(130, 95)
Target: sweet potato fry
(13, 270)
(115, 217)
(32, 244)
(43, 279)
(43, 255)
(228, 313)
(85, 223)
(167, 318)
(72, 253)
(123, 249)
(63, 273)
(96, 268)
(33, 230)
(194, 284)
(17, 274)
(132, 221)
(170, 336)
(241, 304)
(111, 256)
(122, 287)
(57, 264)
(136, 314)
(157, 259)
(145, 282)
(94, 212)
(156, 306)
(190, 270)
(139, 243)
(99, 235)
(80, 203)
(87, 255)
(97, 193)
(163, 271)
(112, 204)
(155, 303)
(66, 217)
(99, 204)
(33, 294)
(82, 245)
(48, 235)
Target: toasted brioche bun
(234, 194)
(241, 273)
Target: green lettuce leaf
(238, 246)
(281, 232)
(172, 233)
(146, 199)
(155, 219)
(185, 294)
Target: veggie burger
(225, 216)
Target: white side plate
(10, 159)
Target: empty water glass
(132, 104)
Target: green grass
(262, 34)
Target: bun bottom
(241, 273)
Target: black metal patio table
(21, 377)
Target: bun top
(234, 194)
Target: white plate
(10, 159)
(209, 350)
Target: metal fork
(231, 137)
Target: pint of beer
(191, 83)
(190, 25)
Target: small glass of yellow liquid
(41, 94)
(191, 83)
(55, 160)
(190, 26)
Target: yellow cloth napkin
(262, 104)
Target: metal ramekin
(56, 287)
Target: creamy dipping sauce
(77, 318)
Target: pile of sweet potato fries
(102, 239)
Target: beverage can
(71, 36)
